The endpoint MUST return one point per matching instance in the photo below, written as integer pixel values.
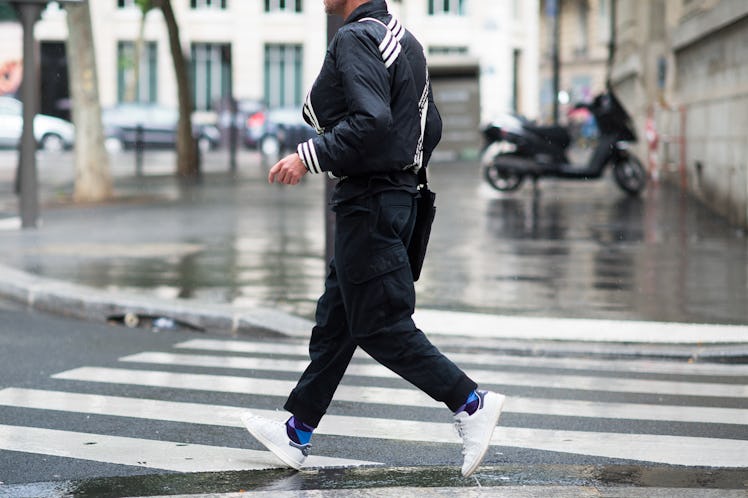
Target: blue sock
(471, 405)
(298, 431)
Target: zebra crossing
(699, 411)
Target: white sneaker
(273, 435)
(476, 429)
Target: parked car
(245, 109)
(159, 127)
(51, 133)
(276, 131)
(254, 120)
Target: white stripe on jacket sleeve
(308, 156)
(309, 112)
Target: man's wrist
(308, 155)
(301, 160)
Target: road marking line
(578, 382)
(12, 223)
(478, 325)
(166, 455)
(677, 367)
(234, 346)
(678, 450)
(534, 406)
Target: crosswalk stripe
(377, 395)
(245, 347)
(494, 377)
(233, 384)
(535, 406)
(607, 365)
(247, 363)
(475, 325)
(676, 450)
(581, 374)
(165, 455)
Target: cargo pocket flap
(381, 262)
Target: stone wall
(712, 85)
(699, 104)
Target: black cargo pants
(368, 301)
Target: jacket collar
(372, 8)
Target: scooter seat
(557, 135)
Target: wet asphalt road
(42, 346)
(567, 249)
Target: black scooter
(517, 149)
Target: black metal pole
(27, 174)
(139, 146)
(611, 43)
(556, 11)
(233, 134)
(333, 23)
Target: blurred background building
(583, 49)
(679, 66)
(483, 55)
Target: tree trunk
(187, 153)
(93, 180)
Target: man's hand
(288, 170)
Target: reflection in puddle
(571, 249)
(437, 481)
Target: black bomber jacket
(368, 99)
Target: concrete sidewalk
(156, 219)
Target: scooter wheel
(630, 175)
(502, 180)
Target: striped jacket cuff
(308, 156)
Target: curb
(101, 306)
(90, 304)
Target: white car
(52, 134)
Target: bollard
(139, 146)
(233, 135)
(198, 157)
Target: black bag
(426, 210)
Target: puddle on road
(662, 257)
(120, 250)
(363, 478)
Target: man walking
(373, 109)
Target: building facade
(500, 36)
(483, 57)
(271, 50)
(583, 48)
